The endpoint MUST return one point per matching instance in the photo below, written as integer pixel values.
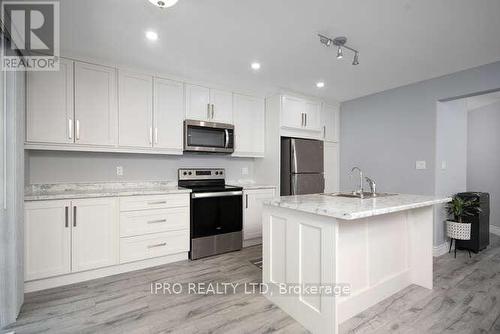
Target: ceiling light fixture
(320, 84)
(340, 43)
(255, 66)
(163, 3)
(151, 35)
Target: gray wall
(387, 132)
(483, 161)
(61, 167)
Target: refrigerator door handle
(294, 185)
(293, 166)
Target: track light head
(325, 41)
(355, 61)
(340, 54)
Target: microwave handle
(226, 144)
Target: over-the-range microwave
(211, 137)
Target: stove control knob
(190, 173)
(216, 173)
(221, 172)
(185, 173)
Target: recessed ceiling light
(163, 3)
(320, 84)
(151, 35)
(255, 66)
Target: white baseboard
(495, 230)
(252, 242)
(441, 249)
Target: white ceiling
(400, 41)
(484, 100)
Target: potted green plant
(456, 228)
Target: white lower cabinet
(94, 233)
(47, 239)
(65, 238)
(62, 237)
(252, 211)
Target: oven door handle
(216, 194)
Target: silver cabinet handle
(216, 194)
(305, 119)
(70, 128)
(324, 131)
(157, 221)
(77, 130)
(158, 245)
(208, 111)
(66, 216)
(157, 202)
(156, 135)
(303, 122)
(213, 111)
(150, 135)
(246, 201)
(74, 216)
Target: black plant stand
(451, 243)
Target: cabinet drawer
(153, 245)
(153, 221)
(134, 203)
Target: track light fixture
(340, 43)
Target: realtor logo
(33, 30)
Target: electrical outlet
(119, 171)
(244, 171)
(444, 165)
(421, 165)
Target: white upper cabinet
(198, 102)
(222, 106)
(49, 117)
(168, 115)
(96, 113)
(135, 96)
(292, 112)
(330, 121)
(95, 233)
(312, 116)
(206, 104)
(249, 123)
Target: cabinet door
(312, 119)
(331, 160)
(168, 114)
(222, 105)
(292, 112)
(49, 99)
(95, 233)
(249, 126)
(135, 110)
(252, 214)
(330, 121)
(96, 113)
(197, 102)
(47, 239)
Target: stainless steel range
(216, 212)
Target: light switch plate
(444, 165)
(119, 171)
(421, 164)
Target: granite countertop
(40, 192)
(354, 208)
(250, 185)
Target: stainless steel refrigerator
(301, 166)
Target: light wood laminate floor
(465, 299)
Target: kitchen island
(365, 250)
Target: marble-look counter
(354, 208)
(40, 192)
(249, 185)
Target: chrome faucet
(372, 184)
(360, 191)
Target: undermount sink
(365, 195)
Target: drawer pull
(157, 202)
(158, 245)
(157, 221)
